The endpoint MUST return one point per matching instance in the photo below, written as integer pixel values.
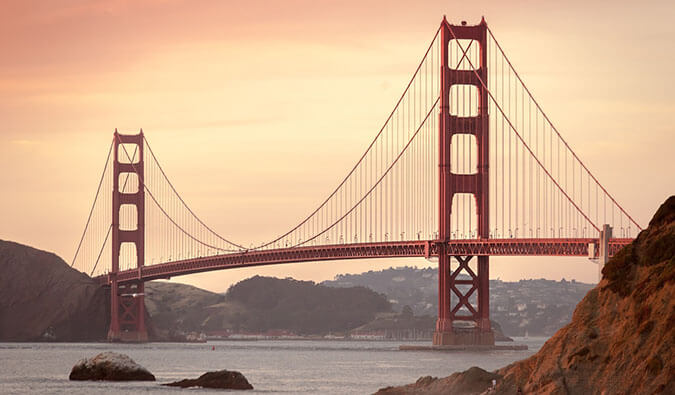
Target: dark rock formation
(41, 298)
(621, 337)
(110, 366)
(473, 381)
(223, 379)
(499, 333)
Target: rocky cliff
(620, 340)
(42, 298)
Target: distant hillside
(42, 298)
(404, 286)
(261, 304)
(537, 307)
(176, 309)
(302, 306)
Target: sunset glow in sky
(257, 109)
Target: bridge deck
(423, 248)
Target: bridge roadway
(397, 249)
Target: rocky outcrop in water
(620, 340)
(473, 381)
(110, 366)
(223, 379)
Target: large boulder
(110, 366)
(224, 379)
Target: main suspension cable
(480, 79)
(403, 95)
(378, 181)
(536, 103)
(91, 212)
(164, 211)
(183, 202)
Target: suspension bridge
(466, 166)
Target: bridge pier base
(127, 322)
(464, 337)
(463, 320)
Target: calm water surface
(290, 367)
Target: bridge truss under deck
(428, 249)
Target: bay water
(271, 366)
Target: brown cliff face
(621, 337)
(41, 298)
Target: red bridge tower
(127, 301)
(477, 183)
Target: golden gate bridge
(466, 166)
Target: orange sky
(237, 98)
